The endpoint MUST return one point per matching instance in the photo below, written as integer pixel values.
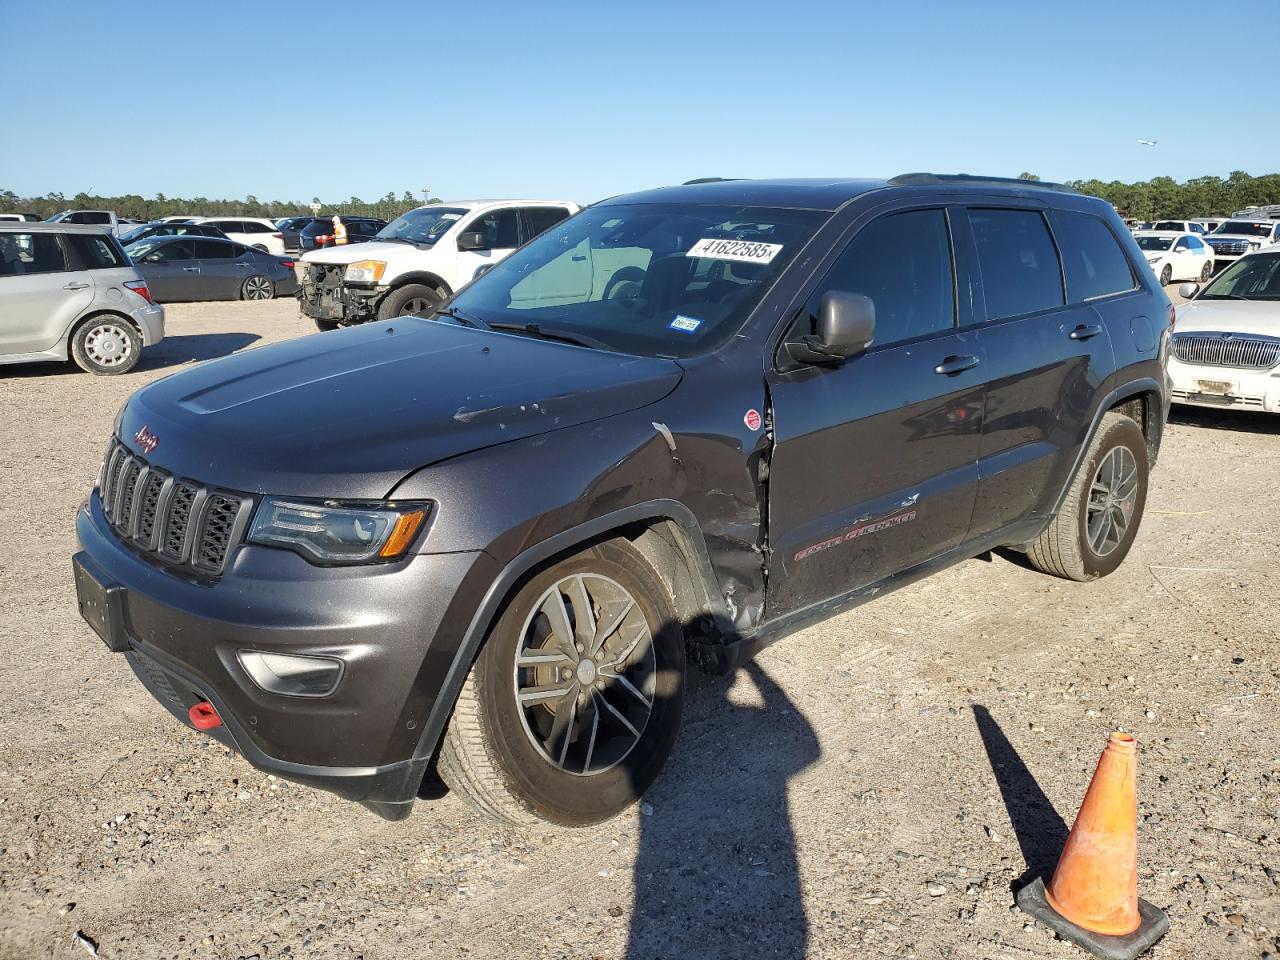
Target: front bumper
(150, 320)
(323, 295)
(363, 741)
(1204, 385)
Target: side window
(500, 227)
(228, 226)
(1181, 245)
(540, 219)
(1020, 269)
(903, 262)
(95, 253)
(93, 216)
(216, 249)
(25, 253)
(1095, 264)
(1195, 244)
(252, 226)
(175, 250)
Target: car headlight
(326, 533)
(365, 271)
(1153, 260)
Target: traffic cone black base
(1154, 925)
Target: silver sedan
(208, 268)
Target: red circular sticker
(752, 419)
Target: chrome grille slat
(177, 520)
(1257, 353)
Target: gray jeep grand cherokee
(678, 425)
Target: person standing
(339, 231)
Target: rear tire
(324, 326)
(544, 733)
(258, 246)
(411, 300)
(257, 287)
(1093, 531)
(106, 345)
(1206, 272)
(1166, 275)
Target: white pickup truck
(420, 259)
(97, 218)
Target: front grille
(179, 521)
(1232, 248)
(1258, 353)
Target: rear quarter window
(1020, 269)
(95, 253)
(1094, 263)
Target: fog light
(292, 675)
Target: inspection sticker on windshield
(685, 324)
(745, 251)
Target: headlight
(1153, 260)
(365, 271)
(333, 534)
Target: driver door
(501, 231)
(172, 271)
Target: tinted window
(228, 226)
(216, 249)
(95, 253)
(1175, 225)
(1020, 270)
(1194, 243)
(903, 263)
(164, 250)
(89, 216)
(252, 226)
(537, 219)
(500, 228)
(1181, 245)
(1094, 262)
(24, 253)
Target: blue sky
(585, 100)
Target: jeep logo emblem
(147, 440)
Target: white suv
(253, 232)
(71, 290)
(1234, 238)
(420, 259)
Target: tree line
(1157, 199)
(133, 205)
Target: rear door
(536, 220)
(223, 269)
(874, 467)
(39, 296)
(1048, 350)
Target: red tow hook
(204, 716)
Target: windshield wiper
(543, 333)
(466, 321)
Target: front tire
(324, 326)
(411, 300)
(1093, 531)
(106, 345)
(572, 707)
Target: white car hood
(371, 250)
(1230, 316)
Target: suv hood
(1230, 316)
(348, 414)
(369, 250)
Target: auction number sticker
(744, 251)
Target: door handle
(191, 269)
(1085, 331)
(75, 286)
(954, 365)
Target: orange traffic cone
(1092, 899)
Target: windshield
(1250, 278)
(667, 280)
(141, 248)
(1245, 228)
(424, 225)
(1169, 225)
(1154, 243)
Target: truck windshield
(1244, 228)
(668, 280)
(1154, 243)
(1250, 278)
(424, 225)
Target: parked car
(70, 291)
(318, 234)
(418, 260)
(211, 268)
(1234, 238)
(1176, 256)
(289, 227)
(97, 218)
(179, 218)
(170, 228)
(251, 231)
(1178, 226)
(20, 217)
(681, 424)
(1226, 351)
(1209, 224)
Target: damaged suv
(675, 427)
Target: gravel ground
(871, 787)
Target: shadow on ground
(1238, 420)
(169, 352)
(716, 873)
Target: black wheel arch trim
(419, 276)
(491, 606)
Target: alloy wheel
(1113, 495)
(585, 674)
(257, 288)
(107, 345)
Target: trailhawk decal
(854, 532)
(744, 251)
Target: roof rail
(935, 179)
(690, 183)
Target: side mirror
(482, 270)
(153, 258)
(1188, 290)
(846, 327)
(473, 240)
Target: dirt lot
(870, 788)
